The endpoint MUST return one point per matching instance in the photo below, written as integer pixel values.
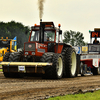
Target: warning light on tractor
(35, 24)
(59, 25)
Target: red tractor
(43, 53)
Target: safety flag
(15, 43)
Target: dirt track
(31, 88)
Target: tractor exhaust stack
(41, 36)
(40, 20)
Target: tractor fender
(61, 46)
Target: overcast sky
(75, 15)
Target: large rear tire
(56, 70)
(64, 61)
(70, 62)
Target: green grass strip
(0, 70)
(87, 96)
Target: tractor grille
(30, 47)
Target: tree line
(74, 38)
(12, 29)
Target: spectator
(95, 41)
(48, 39)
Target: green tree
(74, 38)
(12, 29)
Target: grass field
(87, 96)
(0, 69)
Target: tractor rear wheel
(56, 70)
(64, 61)
(5, 58)
(70, 62)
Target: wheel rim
(99, 70)
(59, 66)
(73, 67)
(81, 67)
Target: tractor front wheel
(56, 70)
(16, 57)
(57, 66)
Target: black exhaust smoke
(42, 26)
(40, 6)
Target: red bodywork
(43, 46)
(89, 62)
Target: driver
(95, 41)
(47, 38)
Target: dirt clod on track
(33, 88)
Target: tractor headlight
(26, 53)
(33, 53)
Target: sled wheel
(81, 69)
(96, 71)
